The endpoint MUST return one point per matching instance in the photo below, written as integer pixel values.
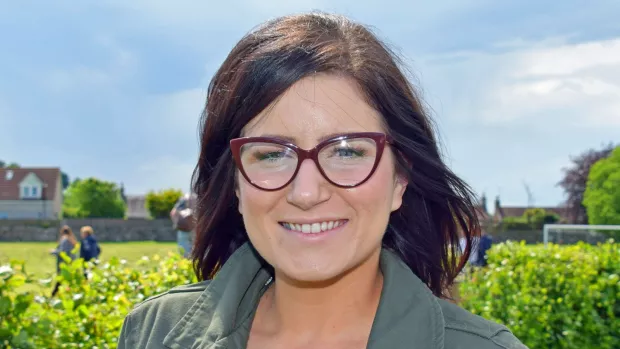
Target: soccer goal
(571, 233)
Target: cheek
(254, 203)
(375, 196)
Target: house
(502, 212)
(30, 193)
(136, 206)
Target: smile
(314, 228)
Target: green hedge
(551, 297)
(85, 314)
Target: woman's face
(309, 111)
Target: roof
(9, 186)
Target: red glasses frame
(379, 138)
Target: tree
(602, 194)
(2, 164)
(12, 165)
(532, 218)
(538, 217)
(160, 203)
(93, 198)
(65, 180)
(575, 179)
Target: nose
(309, 188)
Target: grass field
(42, 264)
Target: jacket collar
(222, 315)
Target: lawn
(42, 264)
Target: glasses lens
(348, 162)
(268, 165)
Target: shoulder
(151, 320)
(464, 328)
(178, 300)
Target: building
(502, 212)
(136, 206)
(30, 193)
(483, 214)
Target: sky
(114, 89)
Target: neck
(312, 310)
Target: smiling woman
(326, 217)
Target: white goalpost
(573, 228)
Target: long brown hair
(424, 232)
(66, 231)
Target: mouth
(314, 228)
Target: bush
(551, 297)
(85, 314)
(159, 204)
(532, 218)
(93, 198)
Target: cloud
(575, 84)
(513, 115)
(150, 175)
(119, 64)
(115, 88)
(6, 118)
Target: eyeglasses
(345, 161)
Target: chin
(311, 270)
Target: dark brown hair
(437, 206)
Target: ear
(400, 185)
(237, 194)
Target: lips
(313, 228)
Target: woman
(66, 244)
(326, 217)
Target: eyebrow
(294, 140)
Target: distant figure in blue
(481, 245)
(480, 253)
(89, 247)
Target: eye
(269, 156)
(348, 152)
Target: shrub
(159, 204)
(86, 314)
(550, 297)
(553, 296)
(532, 218)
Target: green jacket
(218, 314)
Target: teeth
(313, 228)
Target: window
(26, 192)
(34, 192)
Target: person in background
(183, 222)
(484, 244)
(66, 244)
(89, 247)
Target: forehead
(314, 107)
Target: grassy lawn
(42, 264)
